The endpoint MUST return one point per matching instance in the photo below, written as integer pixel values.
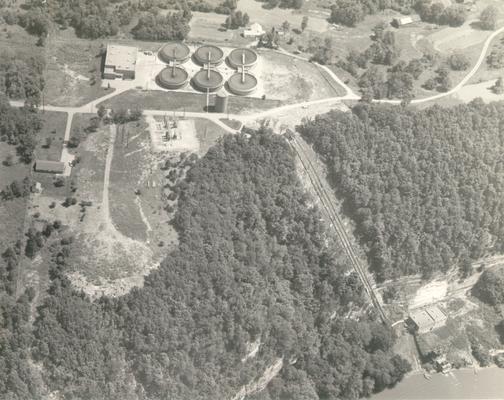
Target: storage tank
(221, 102)
(174, 52)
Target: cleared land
(120, 223)
(50, 138)
(73, 73)
(292, 80)
(208, 133)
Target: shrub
(458, 62)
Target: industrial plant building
(427, 319)
(120, 62)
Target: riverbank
(461, 384)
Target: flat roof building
(427, 319)
(120, 62)
(55, 167)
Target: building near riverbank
(120, 62)
(426, 319)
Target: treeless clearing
(54, 131)
(207, 133)
(73, 72)
(183, 101)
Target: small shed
(406, 20)
(55, 167)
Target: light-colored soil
(448, 39)
(481, 90)
(430, 293)
(185, 132)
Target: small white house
(406, 20)
(254, 30)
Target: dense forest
(490, 287)
(425, 187)
(252, 265)
(104, 18)
(19, 127)
(21, 75)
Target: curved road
(91, 107)
(466, 78)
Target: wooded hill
(252, 264)
(425, 187)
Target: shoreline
(459, 384)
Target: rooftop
(46, 165)
(427, 316)
(121, 57)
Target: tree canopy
(425, 187)
(252, 265)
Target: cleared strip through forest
(336, 223)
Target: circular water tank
(242, 84)
(173, 78)
(174, 51)
(209, 54)
(242, 58)
(208, 80)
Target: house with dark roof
(54, 167)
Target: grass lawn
(293, 80)
(232, 123)
(208, 133)
(485, 73)
(130, 165)
(180, 101)
(73, 73)
(54, 130)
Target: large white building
(120, 62)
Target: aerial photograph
(251, 199)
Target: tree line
(424, 186)
(252, 264)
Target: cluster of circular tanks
(208, 79)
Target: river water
(461, 384)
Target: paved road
(91, 107)
(466, 78)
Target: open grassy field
(54, 131)
(136, 168)
(119, 235)
(73, 73)
(232, 123)
(208, 26)
(208, 134)
(180, 101)
(293, 80)
(485, 73)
